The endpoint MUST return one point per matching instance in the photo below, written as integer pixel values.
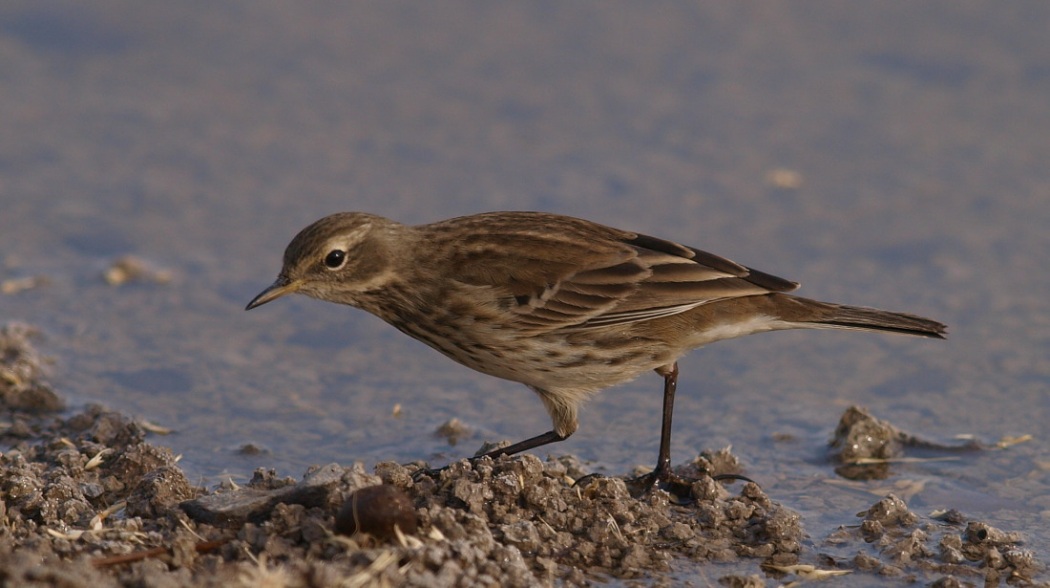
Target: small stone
(376, 510)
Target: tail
(806, 313)
(873, 319)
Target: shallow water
(201, 138)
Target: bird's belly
(554, 361)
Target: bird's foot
(679, 487)
(427, 472)
(639, 487)
(435, 473)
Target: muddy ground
(88, 498)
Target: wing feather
(553, 272)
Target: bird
(563, 305)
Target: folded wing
(556, 273)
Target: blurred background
(882, 154)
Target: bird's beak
(277, 289)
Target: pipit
(565, 306)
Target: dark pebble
(376, 510)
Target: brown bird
(563, 305)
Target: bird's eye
(335, 259)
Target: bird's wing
(566, 273)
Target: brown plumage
(563, 305)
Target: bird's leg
(530, 443)
(662, 473)
(527, 444)
(562, 410)
(663, 459)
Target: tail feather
(815, 314)
(873, 319)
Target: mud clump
(864, 446)
(88, 502)
(22, 375)
(900, 543)
(79, 487)
(597, 527)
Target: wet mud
(88, 499)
